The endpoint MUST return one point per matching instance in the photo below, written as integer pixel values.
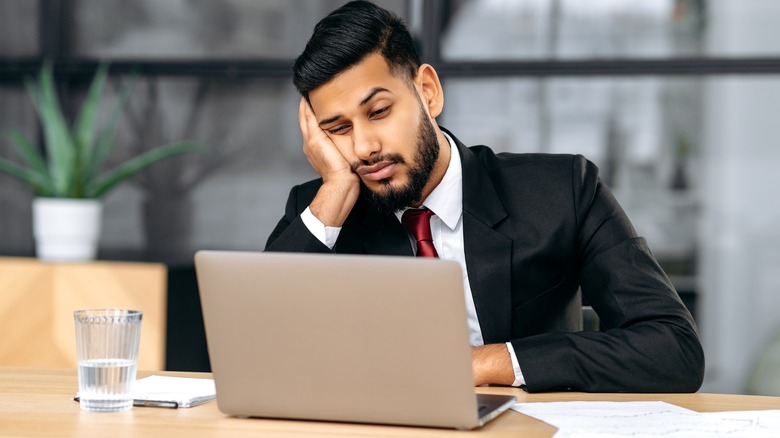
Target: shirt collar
(446, 199)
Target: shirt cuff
(519, 379)
(326, 235)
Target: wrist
(334, 201)
(492, 365)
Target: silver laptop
(366, 339)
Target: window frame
(55, 21)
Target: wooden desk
(38, 402)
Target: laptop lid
(368, 339)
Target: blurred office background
(675, 101)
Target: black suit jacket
(539, 230)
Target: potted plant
(69, 181)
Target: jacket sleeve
(648, 342)
(291, 234)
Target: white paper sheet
(649, 419)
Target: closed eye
(380, 112)
(341, 129)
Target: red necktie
(418, 222)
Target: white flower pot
(66, 229)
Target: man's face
(379, 124)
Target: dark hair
(349, 34)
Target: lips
(378, 171)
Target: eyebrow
(374, 91)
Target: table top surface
(39, 402)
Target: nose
(366, 142)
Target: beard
(390, 199)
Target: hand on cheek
(323, 155)
(341, 186)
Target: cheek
(344, 145)
(404, 137)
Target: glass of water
(107, 352)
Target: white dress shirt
(446, 201)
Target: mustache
(394, 158)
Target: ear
(429, 87)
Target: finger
(314, 139)
(303, 108)
(307, 117)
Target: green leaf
(27, 150)
(85, 123)
(58, 141)
(135, 165)
(106, 139)
(84, 131)
(38, 181)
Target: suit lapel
(488, 251)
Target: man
(529, 230)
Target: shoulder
(307, 189)
(541, 167)
(301, 195)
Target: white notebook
(173, 392)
